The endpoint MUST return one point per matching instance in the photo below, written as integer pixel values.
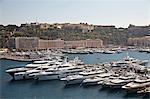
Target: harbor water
(31, 89)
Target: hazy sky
(104, 12)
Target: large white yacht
(58, 71)
(27, 74)
(22, 72)
(46, 75)
(30, 66)
(16, 70)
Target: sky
(120, 13)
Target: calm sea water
(31, 89)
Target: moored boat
(137, 85)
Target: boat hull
(71, 82)
(22, 77)
(47, 77)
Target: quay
(16, 58)
(24, 55)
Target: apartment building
(33, 43)
(142, 41)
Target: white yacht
(27, 74)
(137, 84)
(117, 82)
(44, 75)
(22, 72)
(57, 71)
(106, 80)
(127, 77)
(21, 76)
(16, 70)
(91, 73)
(70, 71)
(129, 59)
(73, 79)
(105, 75)
(92, 81)
(82, 76)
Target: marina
(74, 49)
(127, 71)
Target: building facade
(51, 44)
(23, 43)
(142, 42)
(33, 43)
(84, 44)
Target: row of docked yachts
(48, 69)
(93, 50)
(129, 74)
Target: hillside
(109, 34)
